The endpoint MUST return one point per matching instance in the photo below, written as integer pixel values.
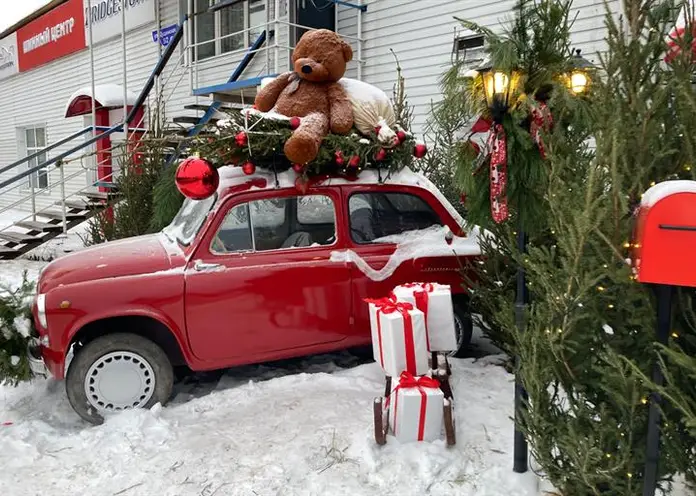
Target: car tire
(463, 325)
(118, 372)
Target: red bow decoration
(542, 121)
(497, 143)
(408, 380)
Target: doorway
(317, 14)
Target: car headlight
(41, 310)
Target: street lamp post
(499, 87)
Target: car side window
(376, 215)
(277, 223)
(234, 233)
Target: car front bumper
(36, 361)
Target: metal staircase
(52, 219)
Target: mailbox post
(665, 241)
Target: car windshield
(189, 220)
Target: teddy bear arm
(267, 97)
(341, 110)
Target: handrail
(161, 63)
(214, 106)
(144, 93)
(44, 150)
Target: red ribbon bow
(497, 143)
(421, 297)
(542, 120)
(408, 380)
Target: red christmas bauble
(354, 161)
(298, 168)
(241, 138)
(401, 135)
(295, 122)
(420, 150)
(381, 154)
(196, 178)
(248, 168)
(339, 157)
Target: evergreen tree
(587, 345)
(16, 328)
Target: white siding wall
(421, 33)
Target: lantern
(499, 87)
(578, 79)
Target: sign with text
(53, 35)
(165, 34)
(106, 17)
(9, 64)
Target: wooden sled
(381, 423)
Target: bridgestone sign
(105, 16)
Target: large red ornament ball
(241, 138)
(298, 168)
(401, 135)
(248, 168)
(381, 154)
(295, 122)
(420, 150)
(196, 178)
(354, 161)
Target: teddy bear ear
(347, 51)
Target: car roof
(231, 177)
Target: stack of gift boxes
(412, 324)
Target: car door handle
(201, 266)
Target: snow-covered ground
(262, 430)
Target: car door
(261, 284)
(375, 213)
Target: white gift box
(435, 301)
(398, 337)
(416, 412)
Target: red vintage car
(257, 272)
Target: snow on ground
(304, 433)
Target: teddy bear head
(321, 55)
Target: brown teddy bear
(312, 92)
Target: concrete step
(58, 215)
(19, 238)
(38, 226)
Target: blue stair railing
(215, 106)
(144, 93)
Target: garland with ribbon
(496, 155)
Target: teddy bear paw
(301, 148)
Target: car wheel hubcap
(118, 381)
(459, 333)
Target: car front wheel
(118, 372)
(463, 327)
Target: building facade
(75, 61)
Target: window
(225, 30)
(376, 215)
(189, 220)
(470, 51)
(276, 224)
(34, 139)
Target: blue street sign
(165, 35)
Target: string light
(675, 335)
(610, 306)
(627, 244)
(608, 455)
(687, 168)
(629, 475)
(644, 401)
(600, 288)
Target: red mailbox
(665, 237)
